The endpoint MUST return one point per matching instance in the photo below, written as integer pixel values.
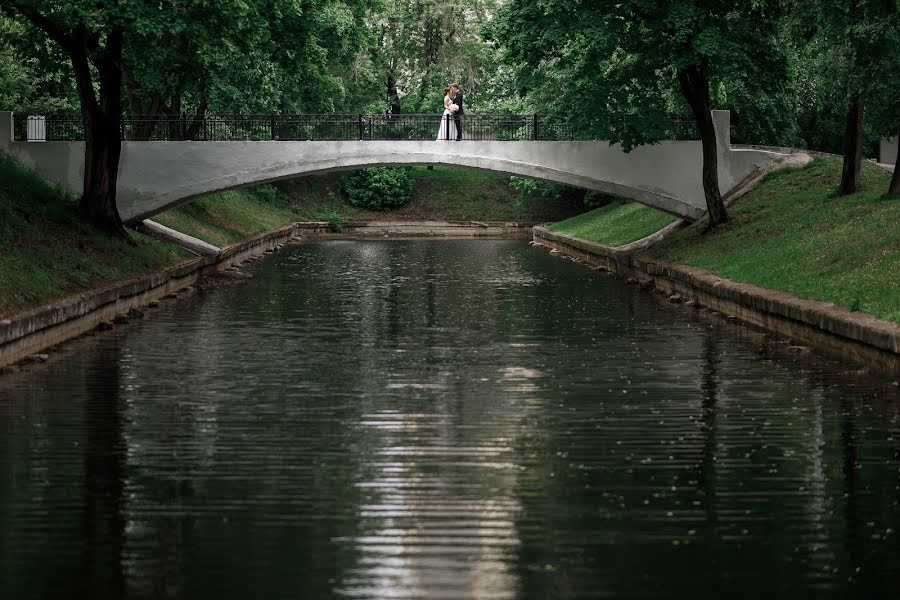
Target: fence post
(272, 124)
(359, 127)
(534, 128)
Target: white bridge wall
(156, 176)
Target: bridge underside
(156, 176)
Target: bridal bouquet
(453, 107)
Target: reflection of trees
(61, 519)
(423, 417)
(709, 389)
(104, 466)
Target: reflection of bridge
(156, 173)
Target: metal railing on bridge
(276, 127)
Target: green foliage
(839, 49)
(438, 194)
(34, 76)
(793, 233)
(335, 222)
(252, 57)
(378, 188)
(617, 223)
(528, 189)
(417, 48)
(267, 194)
(609, 68)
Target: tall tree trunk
(144, 117)
(894, 187)
(197, 122)
(853, 135)
(695, 88)
(393, 97)
(102, 119)
(102, 131)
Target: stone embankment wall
(28, 333)
(455, 229)
(854, 336)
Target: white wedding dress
(447, 130)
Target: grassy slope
(442, 193)
(615, 224)
(792, 233)
(47, 252)
(228, 217)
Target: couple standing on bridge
(451, 120)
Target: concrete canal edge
(24, 335)
(853, 336)
(27, 333)
(464, 229)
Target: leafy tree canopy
(610, 67)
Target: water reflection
(439, 419)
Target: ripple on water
(442, 419)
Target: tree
(252, 57)
(257, 55)
(33, 74)
(418, 48)
(626, 64)
(860, 39)
(92, 38)
(880, 38)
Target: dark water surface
(442, 419)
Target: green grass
(441, 194)
(229, 217)
(793, 233)
(48, 251)
(616, 223)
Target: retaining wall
(28, 333)
(853, 336)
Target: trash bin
(37, 129)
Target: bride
(447, 130)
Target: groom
(456, 97)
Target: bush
(378, 188)
(534, 190)
(268, 194)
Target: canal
(443, 419)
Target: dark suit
(458, 100)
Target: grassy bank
(793, 233)
(615, 224)
(441, 194)
(48, 252)
(229, 217)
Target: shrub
(534, 190)
(268, 194)
(378, 188)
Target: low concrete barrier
(837, 331)
(465, 229)
(30, 332)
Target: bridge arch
(155, 176)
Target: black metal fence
(273, 127)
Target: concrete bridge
(155, 176)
